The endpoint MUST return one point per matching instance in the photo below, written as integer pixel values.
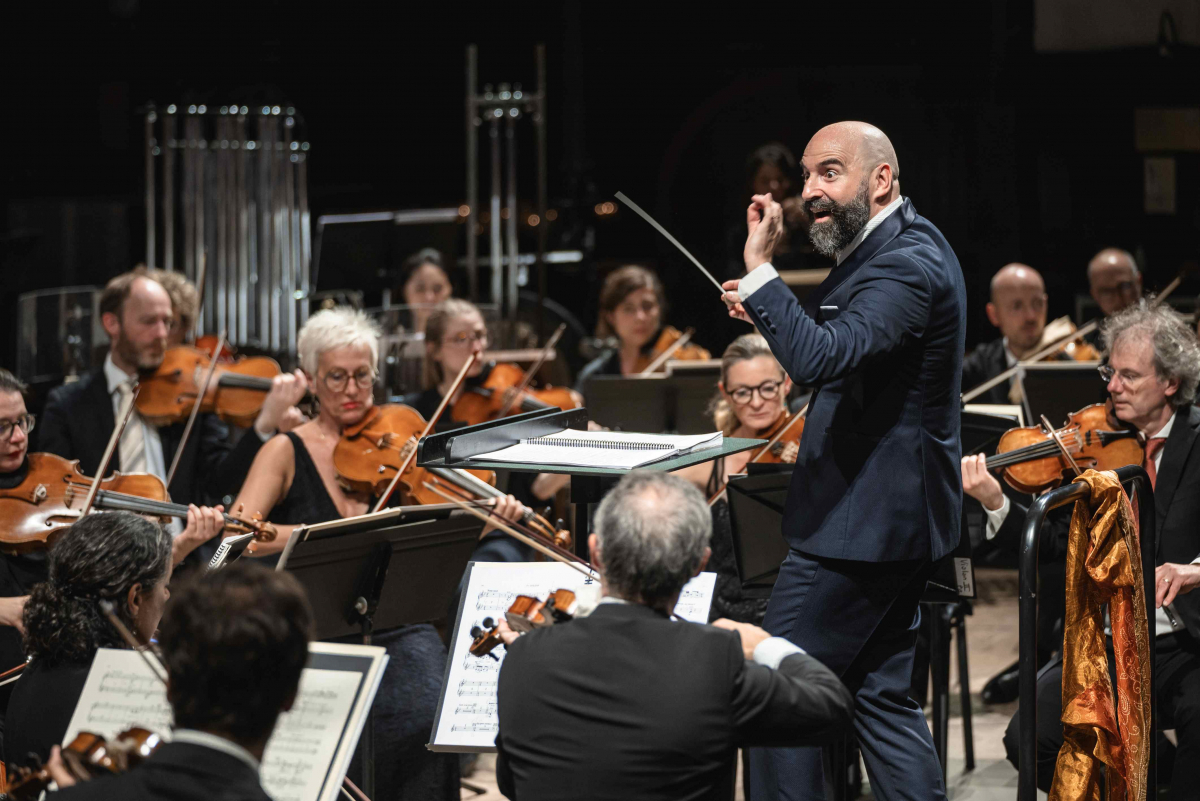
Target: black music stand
(675, 402)
(588, 484)
(1056, 389)
(382, 578)
(756, 528)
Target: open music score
(467, 718)
(312, 744)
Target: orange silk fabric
(1104, 567)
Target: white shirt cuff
(755, 279)
(995, 519)
(773, 650)
(1196, 561)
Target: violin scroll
(525, 614)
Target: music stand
(756, 505)
(386, 577)
(628, 404)
(1056, 389)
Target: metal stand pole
(151, 145)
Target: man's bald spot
(864, 140)
(1016, 276)
(1112, 257)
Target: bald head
(1114, 280)
(861, 154)
(1018, 307)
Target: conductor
(876, 492)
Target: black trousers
(1178, 686)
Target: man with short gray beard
(876, 494)
(628, 703)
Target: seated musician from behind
(751, 401)
(114, 556)
(294, 481)
(631, 310)
(234, 645)
(627, 703)
(1152, 374)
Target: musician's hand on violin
(764, 219)
(733, 301)
(751, 635)
(292, 418)
(12, 612)
(980, 484)
(505, 633)
(1171, 579)
(287, 389)
(58, 769)
(508, 509)
(203, 523)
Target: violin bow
(187, 429)
(1053, 347)
(109, 449)
(583, 567)
(412, 454)
(156, 667)
(533, 368)
(798, 416)
(684, 338)
(1056, 435)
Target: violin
(52, 495)
(1033, 461)
(783, 440)
(208, 342)
(671, 344)
(504, 392)
(235, 392)
(1078, 350)
(525, 614)
(86, 757)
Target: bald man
(1018, 309)
(876, 494)
(1114, 280)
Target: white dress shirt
(216, 743)
(759, 276)
(1163, 622)
(155, 462)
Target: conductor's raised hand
(764, 220)
(733, 301)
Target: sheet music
(467, 717)
(121, 692)
(613, 449)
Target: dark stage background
(1014, 154)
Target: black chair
(1031, 534)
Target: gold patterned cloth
(1104, 567)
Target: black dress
(40, 709)
(728, 599)
(412, 682)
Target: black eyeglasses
(24, 422)
(767, 390)
(336, 380)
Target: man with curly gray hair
(630, 703)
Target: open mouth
(821, 216)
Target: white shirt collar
(113, 374)
(1165, 431)
(871, 225)
(1009, 358)
(216, 743)
(612, 599)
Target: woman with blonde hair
(751, 398)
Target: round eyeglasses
(24, 422)
(767, 390)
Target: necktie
(132, 448)
(1153, 446)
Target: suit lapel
(97, 405)
(1175, 454)
(888, 230)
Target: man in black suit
(78, 420)
(1018, 308)
(627, 703)
(876, 495)
(235, 643)
(1152, 373)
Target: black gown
(412, 682)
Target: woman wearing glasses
(750, 399)
(293, 481)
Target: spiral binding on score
(582, 442)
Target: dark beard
(845, 221)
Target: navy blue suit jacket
(878, 476)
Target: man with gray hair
(629, 703)
(1152, 374)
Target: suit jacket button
(773, 329)
(762, 310)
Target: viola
(52, 495)
(526, 613)
(86, 757)
(235, 392)
(668, 346)
(1033, 461)
(502, 394)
